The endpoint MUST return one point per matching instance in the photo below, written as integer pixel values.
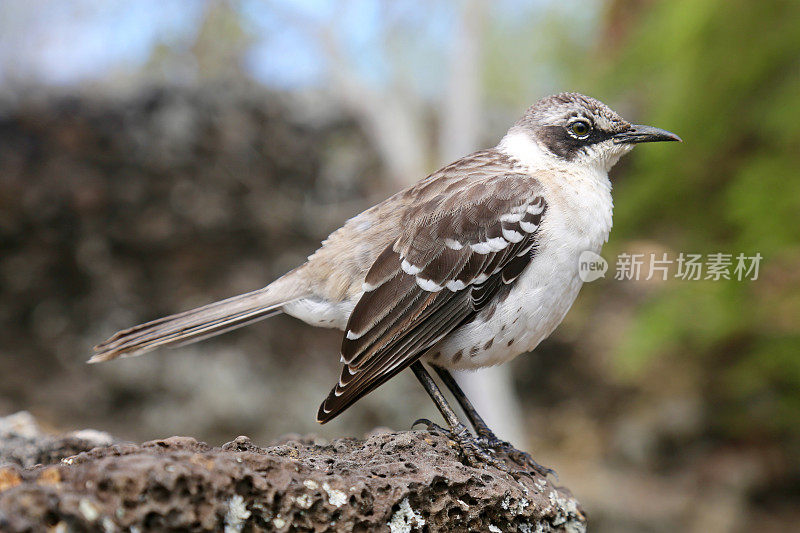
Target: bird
(467, 268)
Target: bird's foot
(474, 453)
(519, 457)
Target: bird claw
(519, 457)
(476, 450)
(475, 454)
(430, 426)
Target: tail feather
(194, 325)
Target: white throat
(528, 152)
(574, 187)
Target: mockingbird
(468, 268)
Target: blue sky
(65, 42)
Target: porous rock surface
(398, 482)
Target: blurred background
(158, 155)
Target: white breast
(578, 218)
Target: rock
(389, 481)
(23, 443)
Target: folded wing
(455, 251)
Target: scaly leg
(485, 434)
(472, 450)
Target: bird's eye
(579, 129)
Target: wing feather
(455, 250)
(351, 386)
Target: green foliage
(725, 76)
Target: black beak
(644, 134)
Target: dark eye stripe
(562, 143)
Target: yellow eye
(579, 128)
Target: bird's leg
(481, 428)
(472, 450)
(485, 434)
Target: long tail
(200, 323)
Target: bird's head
(579, 130)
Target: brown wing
(454, 252)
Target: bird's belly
(530, 312)
(578, 219)
(532, 309)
